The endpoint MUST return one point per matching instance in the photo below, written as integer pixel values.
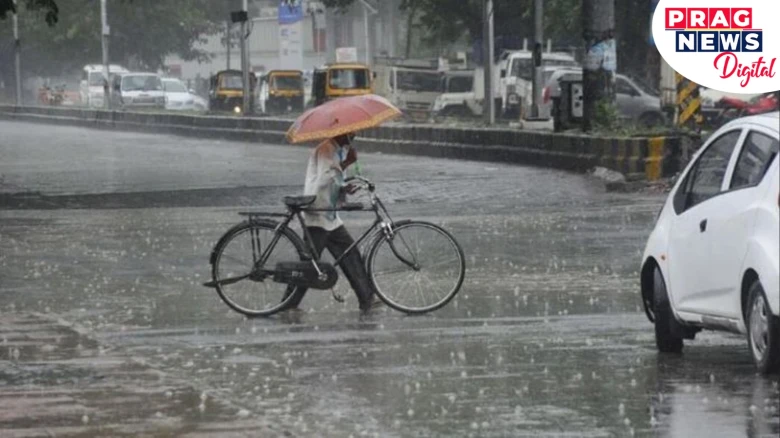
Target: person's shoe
(375, 303)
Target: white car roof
(770, 121)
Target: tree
(48, 7)
(60, 37)
(450, 20)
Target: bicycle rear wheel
(235, 256)
(419, 269)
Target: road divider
(638, 157)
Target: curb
(654, 158)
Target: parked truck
(411, 85)
(464, 94)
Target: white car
(178, 97)
(712, 260)
(137, 90)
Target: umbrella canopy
(342, 116)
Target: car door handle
(703, 225)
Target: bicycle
(242, 270)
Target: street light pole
(367, 35)
(368, 9)
(489, 109)
(105, 32)
(17, 55)
(228, 43)
(245, 63)
(537, 78)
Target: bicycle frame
(382, 222)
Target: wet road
(105, 329)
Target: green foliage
(606, 117)
(449, 20)
(47, 7)
(142, 32)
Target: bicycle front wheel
(236, 255)
(419, 269)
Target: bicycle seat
(298, 201)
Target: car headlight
(438, 105)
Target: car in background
(713, 259)
(179, 98)
(92, 82)
(137, 90)
(634, 100)
(516, 77)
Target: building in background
(311, 37)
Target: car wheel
(763, 331)
(668, 336)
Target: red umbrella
(342, 116)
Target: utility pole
(228, 43)
(368, 9)
(598, 70)
(537, 73)
(17, 55)
(367, 35)
(247, 104)
(489, 109)
(105, 31)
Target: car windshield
(174, 87)
(524, 67)
(231, 82)
(286, 82)
(419, 81)
(141, 83)
(348, 78)
(460, 84)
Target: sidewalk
(57, 382)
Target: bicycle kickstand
(336, 296)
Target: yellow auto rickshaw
(340, 80)
(226, 90)
(285, 92)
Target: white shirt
(324, 179)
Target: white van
(137, 90)
(91, 86)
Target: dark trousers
(338, 241)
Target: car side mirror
(503, 73)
